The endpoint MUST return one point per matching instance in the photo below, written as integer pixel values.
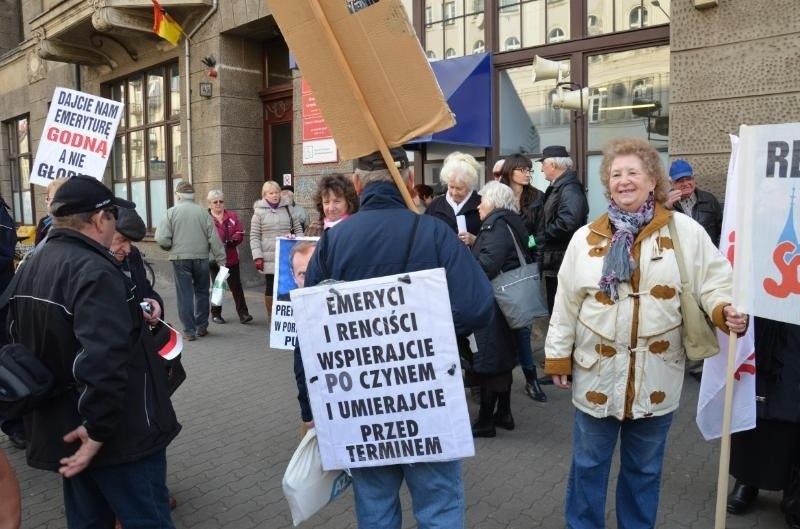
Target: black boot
(484, 426)
(532, 387)
(741, 498)
(503, 418)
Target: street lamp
(658, 5)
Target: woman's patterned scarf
(618, 264)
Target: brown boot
(268, 306)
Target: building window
(593, 25)
(431, 54)
(19, 161)
(146, 161)
(598, 101)
(454, 24)
(643, 88)
(450, 13)
(556, 35)
(637, 18)
(508, 6)
(478, 47)
(511, 43)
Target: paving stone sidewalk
(240, 422)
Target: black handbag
(176, 374)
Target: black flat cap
(131, 225)
(375, 162)
(554, 151)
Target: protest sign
(768, 177)
(383, 371)
(291, 259)
(78, 136)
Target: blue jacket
(373, 243)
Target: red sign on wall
(318, 144)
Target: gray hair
(460, 167)
(498, 195)
(565, 163)
(215, 194)
(381, 175)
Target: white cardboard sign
(77, 138)
(383, 371)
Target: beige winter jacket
(268, 223)
(626, 358)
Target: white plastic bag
(306, 486)
(220, 286)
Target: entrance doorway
(278, 158)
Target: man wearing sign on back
(373, 243)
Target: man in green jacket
(188, 233)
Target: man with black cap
(565, 210)
(107, 429)
(386, 238)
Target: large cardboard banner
(291, 259)
(768, 187)
(383, 371)
(78, 136)
(363, 60)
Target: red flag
(175, 344)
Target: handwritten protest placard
(383, 371)
(78, 136)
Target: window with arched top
(478, 47)
(593, 25)
(511, 43)
(556, 35)
(431, 54)
(637, 18)
(450, 53)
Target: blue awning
(467, 85)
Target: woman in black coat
(768, 457)
(460, 175)
(497, 342)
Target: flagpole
(725, 448)
(355, 89)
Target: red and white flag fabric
(711, 401)
(174, 345)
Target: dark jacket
(495, 252)
(373, 243)
(565, 210)
(777, 347)
(707, 212)
(75, 309)
(440, 209)
(533, 218)
(134, 268)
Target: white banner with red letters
(77, 138)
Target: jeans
(136, 493)
(524, 349)
(642, 443)
(437, 494)
(191, 286)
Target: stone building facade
(223, 108)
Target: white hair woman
(273, 216)
(496, 356)
(460, 175)
(231, 233)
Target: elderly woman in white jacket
(616, 330)
(273, 216)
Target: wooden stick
(344, 67)
(725, 448)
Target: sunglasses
(217, 201)
(114, 210)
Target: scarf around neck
(331, 223)
(618, 264)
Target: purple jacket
(231, 233)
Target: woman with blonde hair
(273, 216)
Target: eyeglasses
(217, 201)
(114, 210)
(523, 170)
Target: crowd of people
(614, 336)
